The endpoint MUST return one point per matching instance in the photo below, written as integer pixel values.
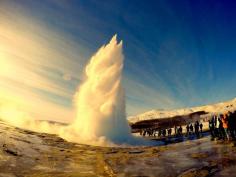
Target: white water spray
(100, 100)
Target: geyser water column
(100, 100)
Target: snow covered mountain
(159, 114)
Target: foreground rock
(26, 153)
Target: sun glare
(4, 66)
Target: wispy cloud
(36, 60)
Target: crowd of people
(197, 128)
(223, 126)
(191, 129)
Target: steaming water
(100, 100)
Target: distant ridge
(159, 114)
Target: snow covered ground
(159, 114)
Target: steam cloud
(99, 101)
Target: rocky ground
(26, 153)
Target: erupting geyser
(100, 100)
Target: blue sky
(177, 53)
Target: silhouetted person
(225, 126)
(215, 121)
(176, 130)
(180, 130)
(221, 128)
(234, 124)
(164, 132)
(191, 128)
(211, 129)
(231, 122)
(196, 127)
(217, 125)
(187, 129)
(169, 131)
(201, 126)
